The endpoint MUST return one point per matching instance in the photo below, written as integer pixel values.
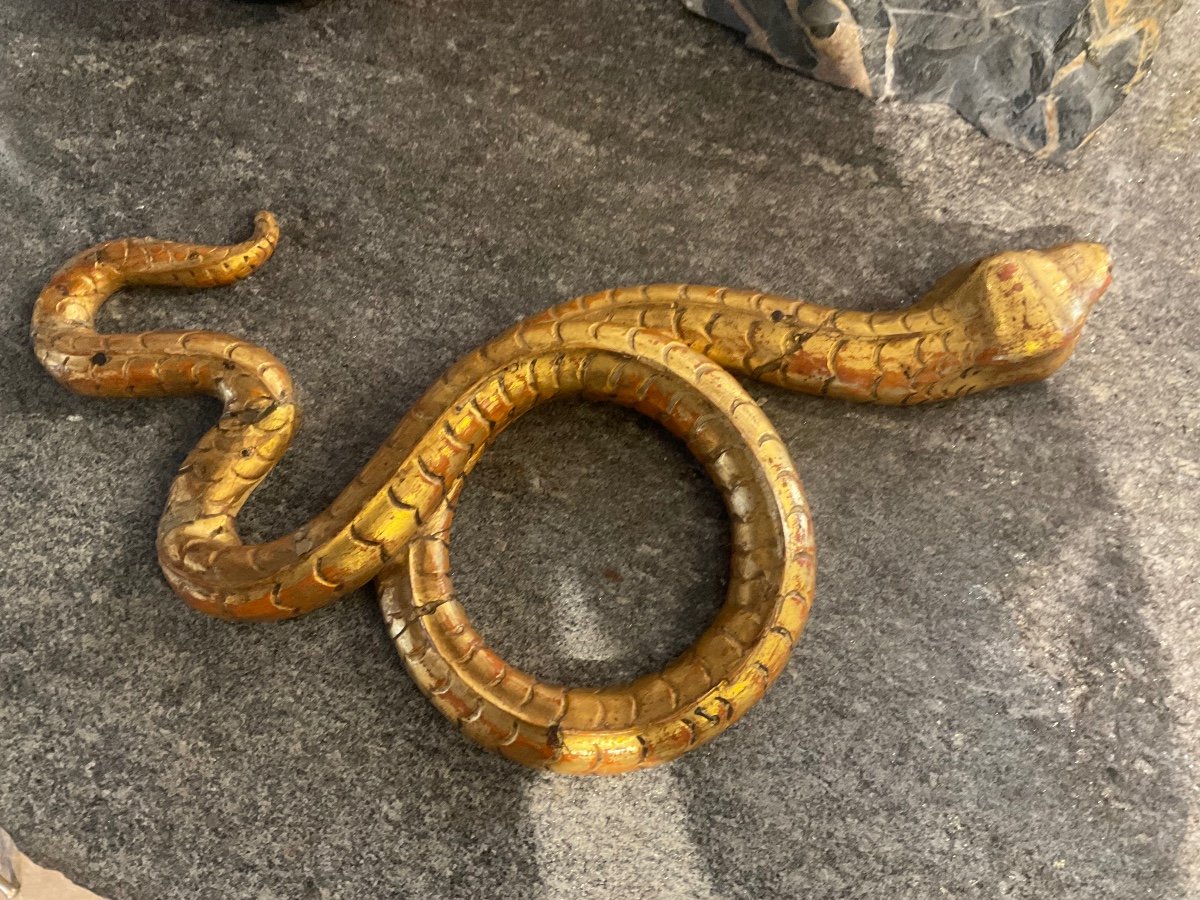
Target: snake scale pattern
(668, 351)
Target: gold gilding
(667, 351)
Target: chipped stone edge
(23, 879)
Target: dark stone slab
(1042, 76)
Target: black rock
(1041, 76)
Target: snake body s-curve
(665, 350)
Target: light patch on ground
(598, 837)
(580, 624)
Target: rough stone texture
(996, 693)
(1042, 76)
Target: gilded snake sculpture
(665, 350)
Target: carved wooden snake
(665, 350)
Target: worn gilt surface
(669, 351)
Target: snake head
(1033, 306)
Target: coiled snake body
(665, 350)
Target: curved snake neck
(665, 350)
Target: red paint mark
(808, 365)
(859, 378)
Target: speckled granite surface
(995, 696)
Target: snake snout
(1037, 303)
(1087, 268)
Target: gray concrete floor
(995, 695)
